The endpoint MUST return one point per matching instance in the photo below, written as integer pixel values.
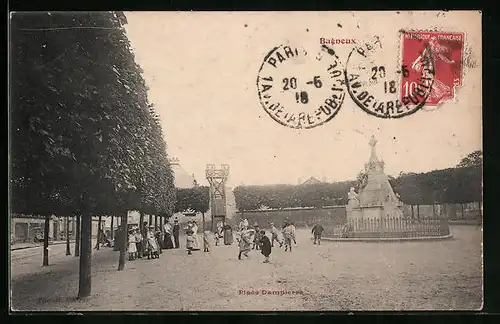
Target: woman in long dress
(228, 235)
(194, 228)
(167, 240)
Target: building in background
(312, 180)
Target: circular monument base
(388, 239)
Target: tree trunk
(412, 213)
(68, 251)
(78, 237)
(112, 228)
(98, 233)
(85, 283)
(150, 220)
(462, 205)
(418, 211)
(46, 241)
(141, 229)
(123, 242)
(203, 230)
(156, 222)
(161, 224)
(434, 211)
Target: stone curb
(38, 245)
(391, 239)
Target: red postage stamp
(446, 51)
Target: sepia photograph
(245, 161)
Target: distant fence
(390, 228)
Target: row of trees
(292, 196)
(84, 139)
(461, 184)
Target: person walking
(175, 233)
(288, 235)
(265, 246)
(317, 230)
(245, 243)
(275, 236)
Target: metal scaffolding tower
(217, 179)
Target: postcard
(246, 161)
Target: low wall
(327, 216)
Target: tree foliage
(473, 159)
(196, 199)
(83, 132)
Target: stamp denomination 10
(300, 88)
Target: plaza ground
(437, 275)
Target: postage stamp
(446, 51)
(300, 88)
(376, 83)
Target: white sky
(202, 69)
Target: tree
(196, 199)
(84, 137)
(473, 159)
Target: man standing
(175, 232)
(317, 230)
(288, 235)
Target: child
(288, 235)
(317, 230)
(258, 236)
(138, 242)
(265, 246)
(132, 247)
(275, 236)
(245, 242)
(190, 240)
(292, 226)
(206, 243)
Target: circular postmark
(384, 89)
(300, 88)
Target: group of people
(147, 244)
(256, 238)
(151, 240)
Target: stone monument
(376, 199)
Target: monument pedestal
(354, 214)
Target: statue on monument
(353, 198)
